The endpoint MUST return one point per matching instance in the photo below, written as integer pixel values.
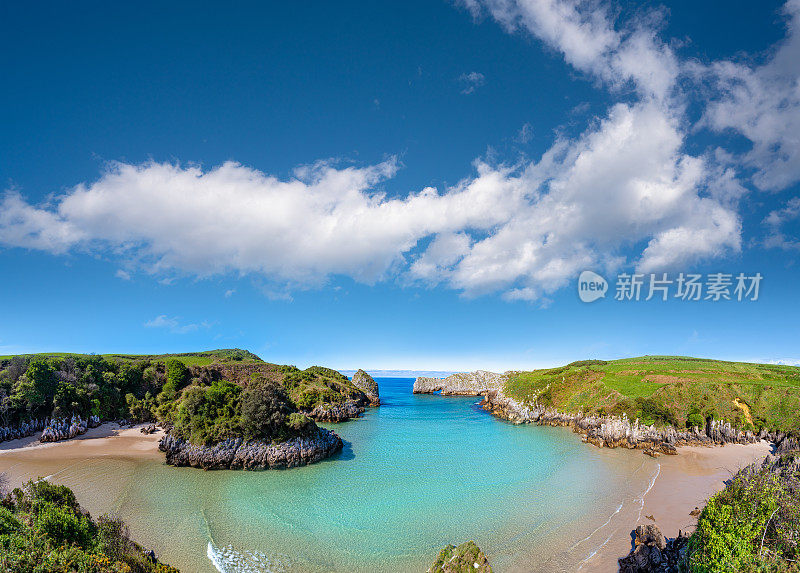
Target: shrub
(8, 523)
(63, 526)
(265, 408)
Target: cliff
(367, 384)
(600, 430)
(463, 383)
(252, 455)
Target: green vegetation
(751, 526)
(316, 386)
(43, 529)
(669, 390)
(238, 395)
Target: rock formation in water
(237, 453)
(465, 557)
(367, 384)
(463, 383)
(653, 553)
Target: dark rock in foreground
(237, 453)
(653, 553)
(368, 386)
(465, 557)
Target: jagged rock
(465, 557)
(23, 430)
(63, 429)
(367, 384)
(237, 453)
(653, 553)
(336, 412)
(463, 383)
(149, 429)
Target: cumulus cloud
(625, 191)
(763, 104)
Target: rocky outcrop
(368, 386)
(237, 453)
(601, 431)
(653, 553)
(22, 430)
(463, 383)
(64, 429)
(465, 557)
(336, 412)
(617, 431)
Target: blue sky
(408, 186)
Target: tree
(36, 388)
(265, 408)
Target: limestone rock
(367, 384)
(463, 383)
(336, 412)
(237, 453)
(653, 553)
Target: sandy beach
(683, 483)
(27, 458)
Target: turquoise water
(417, 473)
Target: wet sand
(683, 483)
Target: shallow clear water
(416, 474)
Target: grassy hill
(673, 390)
(204, 396)
(204, 358)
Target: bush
(265, 409)
(8, 523)
(755, 505)
(695, 418)
(63, 526)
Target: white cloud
(625, 191)
(471, 82)
(230, 292)
(584, 33)
(763, 104)
(122, 274)
(174, 325)
(775, 221)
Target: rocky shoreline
(237, 453)
(601, 431)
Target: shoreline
(683, 483)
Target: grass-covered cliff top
(204, 358)
(673, 390)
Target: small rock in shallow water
(465, 557)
